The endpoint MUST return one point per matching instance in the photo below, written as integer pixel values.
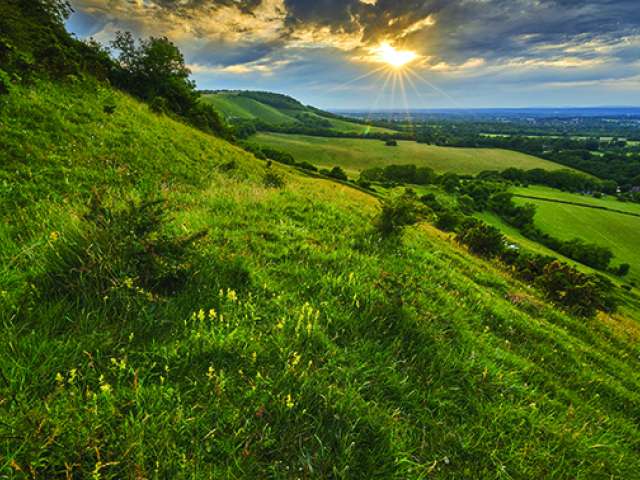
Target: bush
(307, 166)
(580, 293)
(448, 220)
(391, 143)
(481, 238)
(117, 254)
(338, 173)
(159, 105)
(396, 214)
(204, 117)
(273, 180)
(623, 270)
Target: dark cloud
(504, 43)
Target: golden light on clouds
(388, 54)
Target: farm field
(607, 201)
(618, 231)
(355, 155)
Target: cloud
(560, 40)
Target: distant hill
(275, 111)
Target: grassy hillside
(355, 155)
(300, 345)
(278, 110)
(616, 230)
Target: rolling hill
(275, 110)
(292, 343)
(355, 155)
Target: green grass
(234, 107)
(617, 231)
(608, 201)
(355, 155)
(331, 353)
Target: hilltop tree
(154, 68)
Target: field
(296, 344)
(234, 107)
(355, 155)
(618, 231)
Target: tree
(338, 173)
(154, 68)
(481, 238)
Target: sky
(459, 53)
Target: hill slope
(355, 155)
(277, 110)
(300, 345)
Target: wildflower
(254, 356)
(128, 282)
(53, 236)
(231, 295)
(201, 315)
(59, 378)
(289, 401)
(105, 388)
(295, 360)
(210, 373)
(72, 375)
(212, 314)
(280, 324)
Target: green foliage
(115, 254)
(396, 214)
(273, 180)
(581, 294)
(154, 68)
(301, 346)
(623, 269)
(400, 174)
(338, 173)
(448, 220)
(482, 239)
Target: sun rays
(394, 78)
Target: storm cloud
(504, 43)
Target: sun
(393, 57)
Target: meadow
(355, 155)
(616, 230)
(297, 344)
(236, 107)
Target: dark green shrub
(273, 180)
(338, 173)
(391, 143)
(482, 239)
(159, 105)
(118, 254)
(396, 214)
(579, 293)
(448, 220)
(307, 166)
(623, 270)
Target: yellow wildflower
(201, 315)
(53, 236)
(59, 378)
(105, 387)
(212, 313)
(289, 401)
(231, 295)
